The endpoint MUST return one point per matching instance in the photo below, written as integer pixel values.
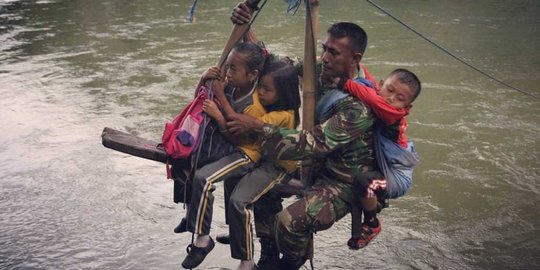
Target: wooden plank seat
(140, 147)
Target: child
(278, 93)
(282, 112)
(391, 104)
(237, 95)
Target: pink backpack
(182, 135)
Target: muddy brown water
(70, 68)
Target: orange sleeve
(369, 77)
(383, 110)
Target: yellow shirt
(283, 119)
(248, 145)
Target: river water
(70, 68)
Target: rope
(254, 17)
(293, 6)
(450, 53)
(191, 12)
(248, 26)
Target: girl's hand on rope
(219, 87)
(211, 108)
(241, 14)
(212, 73)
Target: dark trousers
(250, 188)
(199, 213)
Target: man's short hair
(357, 36)
(409, 78)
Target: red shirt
(384, 111)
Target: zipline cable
(450, 53)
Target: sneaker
(182, 227)
(366, 236)
(196, 255)
(223, 238)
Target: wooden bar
(133, 145)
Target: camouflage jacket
(342, 142)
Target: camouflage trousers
(327, 202)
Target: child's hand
(211, 108)
(239, 124)
(212, 73)
(219, 86)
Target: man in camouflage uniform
(341, 142)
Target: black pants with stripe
(248, 190)
(199, 213)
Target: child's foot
(223, 238)
(246, 265)
(182, 227)
(368, 233)
(197, 254)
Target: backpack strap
(327, 103)
(365, 82)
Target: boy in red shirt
(390, 102)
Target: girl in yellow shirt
(278, 93)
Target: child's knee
(237, 203)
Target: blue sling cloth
(395, 162)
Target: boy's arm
(241, 123)
(383, 110)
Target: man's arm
(351, 122)
(240, 124)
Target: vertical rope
(293, 6)
(191, 12)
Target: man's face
(396, 93)
(337, 58)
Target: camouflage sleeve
(350, 122)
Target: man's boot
(269, 259)
(286, 263)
